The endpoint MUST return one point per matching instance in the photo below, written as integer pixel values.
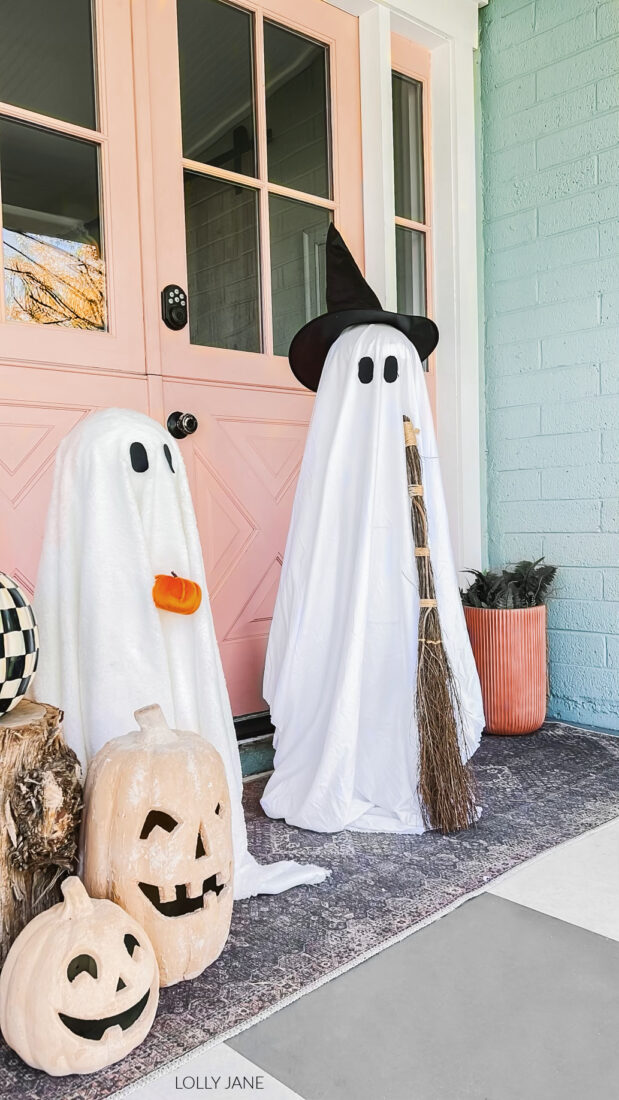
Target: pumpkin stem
(77, 901)
(152, 723)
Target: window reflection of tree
(54, 282)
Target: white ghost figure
(106, 650)
(340, 671)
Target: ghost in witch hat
(350, 301)
(369, 671)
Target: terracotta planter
(510, 653)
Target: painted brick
(612, 644)
(610, 377)
(506, 232)
(608, 19)
(577, 648)
(559, 317)
(515, 422)
(546, 386)
(544, 49)
(581, 584)
(609, 235)
(610, 513)
(609, 312)
(545, 255)
(591, 207)
(507, 548)
(582, 549)
(550, 13)
(608, 165)
(506, 164)
(545, 451)
(580, 347)
(578, 279)
(516, 485)
(542, 118)
(608, 93)
(577, 141)
(581, 482)
(611, 584)
(524, 191)
(610, 445)
(583, 67)
(590, 615)
(545, 516)
(599, 683)
(551, 233)
(574, 416)
(514, 294)
(518, 358)
(511, 28)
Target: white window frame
(449, 29)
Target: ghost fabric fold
(120, 514)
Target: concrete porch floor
(513, 995)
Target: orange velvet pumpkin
(172, 593)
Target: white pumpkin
(80, 986)
(157, 839)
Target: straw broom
(446, 785)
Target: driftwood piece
(40, 812)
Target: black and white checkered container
(19, 643)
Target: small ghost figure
(120, 519)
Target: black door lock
(182, 424)
(174, 306)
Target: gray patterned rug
(536, 791)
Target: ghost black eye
(166, 451)
(81, 964)
(131, 943)
(366, 369)
(391, 368)
(139, 457)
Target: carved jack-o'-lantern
(157, 839)
(80, 986)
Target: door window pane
(408, 148)
(410, 254)
(298, 235)
(221, 222)
(54, 272)
(217, 93)
(297, 112)
(46, 58)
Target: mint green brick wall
(550, 154)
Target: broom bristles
(446, 785)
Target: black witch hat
(350, 301)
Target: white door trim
(449, 30)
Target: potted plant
(506, 617)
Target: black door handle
(182, 424)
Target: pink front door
(71, 329)
(199, 143)
(255, 145)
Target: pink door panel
(243, 463)
(37, 409)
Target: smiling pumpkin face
(157, 839)
(80, 986)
